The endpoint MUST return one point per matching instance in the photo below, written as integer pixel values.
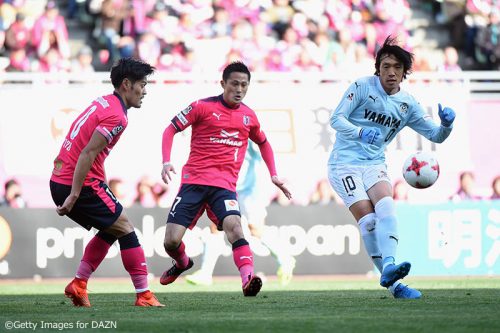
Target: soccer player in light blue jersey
(371, 113)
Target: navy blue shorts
(95, 207)
(193, 200)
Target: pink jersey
(219, 141)
(108, 116)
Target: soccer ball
(421, 169)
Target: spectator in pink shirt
(53, 62)
(163, 26)
(466, 188)
(149, 193)
(289, 47)
(356, 26)
(450, 63)
(338, 13)
(50, 31)
(18, 34)
(135, 24)
(274, 62)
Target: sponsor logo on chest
(228, 138)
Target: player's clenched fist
(369, 135)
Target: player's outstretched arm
(96, 144)
(166, 149)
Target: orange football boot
(147, 298)
(76, 290)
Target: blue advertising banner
(451, 238)
(448, 239)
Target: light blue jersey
(366, 104)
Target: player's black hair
(390, 47)
(235, 66)
(129, 68)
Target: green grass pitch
(322, 304)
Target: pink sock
(243, 259)
(95, 251)
(179, 255)
(135, 263)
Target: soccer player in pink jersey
(78, 183)
(221, 127)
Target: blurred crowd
(466, 190)
(149, 194)
(474, 29)
(204, 35)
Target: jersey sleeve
(353, 97)
(110, 126)
(256, 134)
(423, 124)
(188, 116)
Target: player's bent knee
(232, 228)
(171, 241)
(121, 227)
(171, 244)
(361, 208)
(173, 236)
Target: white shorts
(351, 182)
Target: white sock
(367, 226)
(387, 239)
(387, 232)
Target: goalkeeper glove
(447, 115)
(369, 135)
